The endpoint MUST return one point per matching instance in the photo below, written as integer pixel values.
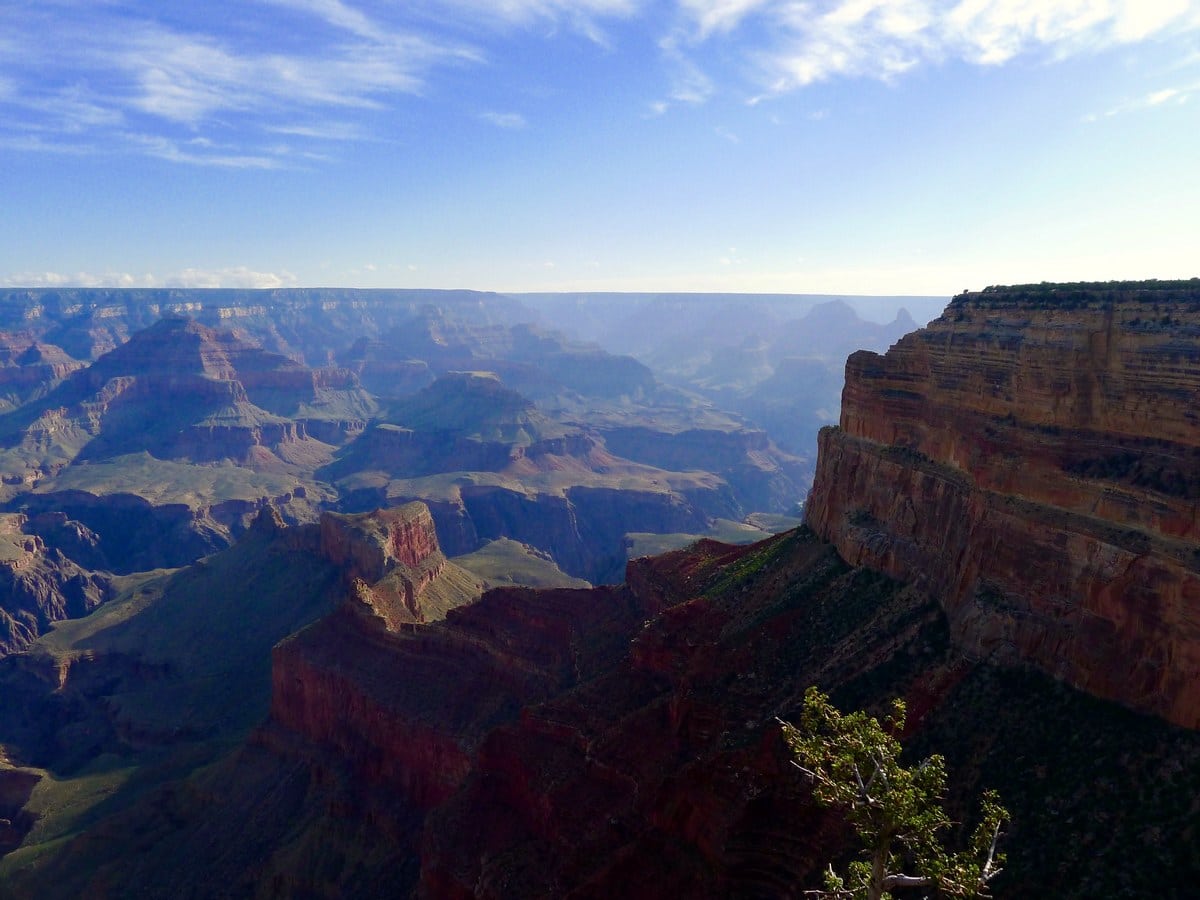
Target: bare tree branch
(900, 880)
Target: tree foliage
(852, 761)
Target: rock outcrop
(392, 561)
(1032, 458)
(28, 365)
(39, 586)
(408, 709)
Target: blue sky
(828, 146)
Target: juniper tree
(896, 811)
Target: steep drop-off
(622, 741)
(1032, 458)
(39, 586)
(168, 675)
(391, 560)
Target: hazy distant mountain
(776, 360)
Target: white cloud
(190, 78)
(201, 152)
(35, 143)
(510, 121)
(337, 14)
(324, 131)
(824, 39)
(78, 279)
(710, 16)
(88, 79)
(1159, 97)
(528, 12)
(1137, 21)
(236, 277)
(689, 84)
(91, 75)
(1171, 96)
(581, 17)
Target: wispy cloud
(1164, 97)
(338, 14)
(580, 16)
(809, 42)
(323, 131)
(710, 16)
(236, 277)
(188, 78)
(113, 71)
(510, 121)
(233, 277)
(88, 75)
(202, 152)
(36, 143)
(689, 84)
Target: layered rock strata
(392, 561)
(39, 586)
(1032, 458)
(623, 741)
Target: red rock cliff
(406, 709)
(1032, 458)
(392, 559)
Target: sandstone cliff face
(407, 709)
(391, 560)
(367, 547)
(39, 586)
(1032, 458)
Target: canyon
(142, 429)
(1000, 532)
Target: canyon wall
(391, 562)
(1032, 459)
(408, 708)
(39, 586)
